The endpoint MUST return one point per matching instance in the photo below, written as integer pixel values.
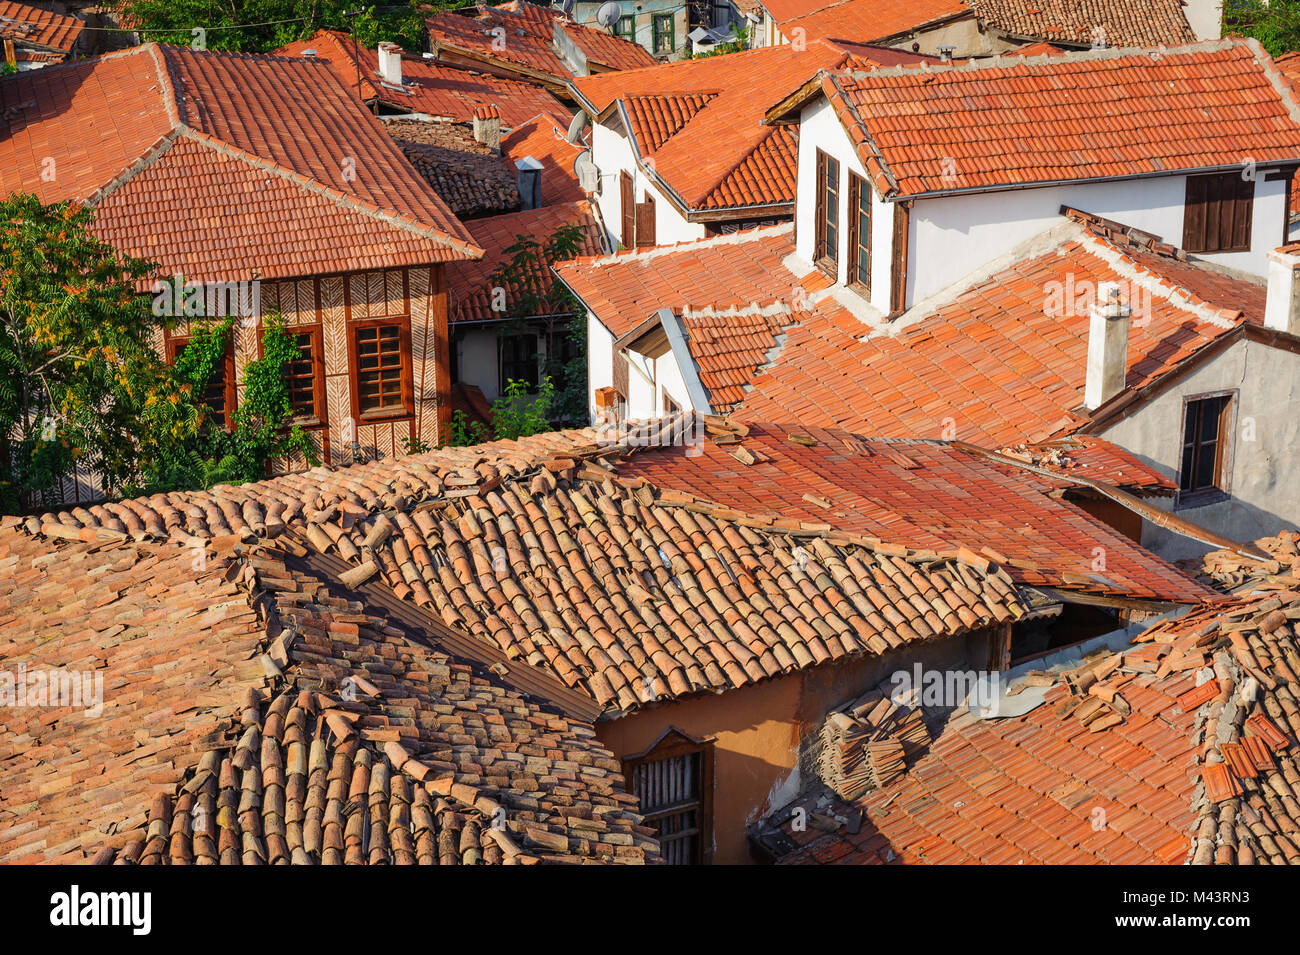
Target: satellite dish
(609, 14)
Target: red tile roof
(156, 136)
(626, 591)
(992, 366)
(921, 494)
(31, 26)
(430, 87)
(241, 681)
(729, 350)
(529, 40)
(1087, 22)
(701, 123)
(1181, 747)
(469, 283)
(547, 141)
(1013, 121)
(862, 19)
(738, 270)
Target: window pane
(380, 364)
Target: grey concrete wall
(1264, 491)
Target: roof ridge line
(653, 252)
(1157, 284)
(161, 146)
(998, 61)
(337, 196)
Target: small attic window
(673, 780)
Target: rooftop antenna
(609, 14)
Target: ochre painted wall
(758, 729)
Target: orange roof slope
(547, 141)
(247, 681)
(1002, 362)
(272, 167)
(429, 87)
(738, 270)
(922, 494)
(729, 350)
(625, 591)
(529, 39)
(999, 364)
(1194, 766)
(865, 20)
(469, 283)
(1112, 22)
(30, 26)
(1019, 121)
(702, 123)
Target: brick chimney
(390, 63)
(1282, 308)
(1108, 323)
(487, 126)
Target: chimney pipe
(529, 180)
(390, 63)
(1282, 307)
(1108, 323)
(487, 126)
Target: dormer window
(828, 214)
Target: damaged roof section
(250, 714)
(1177, 745)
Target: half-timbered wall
(334, 303)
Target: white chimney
(1282, 308)
(487, 126)
(390, 63)
(1108, 321)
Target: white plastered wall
(611, 151)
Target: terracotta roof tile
(1112, 22)
(468, 282)
(1206, 782)
(529, 39)
(162, 128)
(546, 141)
(428, 87)
(861, 19)
(702, 124)
(31, 26)
(466, 174)
(1052, 119)
(999, 364)
(250, 714)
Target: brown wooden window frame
(230, 391)
(407, 408)
(627, 209)
(826, 230)
(675, 744)
(1218, 213)
(317, 349)
(859, 245)
(1190, 492)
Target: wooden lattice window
(219, 394)
(826, 253)
(305, 379)
(673, 780)
(381, 359)
(519, 360)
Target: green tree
(533, 294)
(1274, 23)
(78, 371)
(519, 413)
(261, 428)
(259, 26)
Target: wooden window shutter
(627, 205)
(620, 373)
(1218, 213)
(645, 221)
(898, 274)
